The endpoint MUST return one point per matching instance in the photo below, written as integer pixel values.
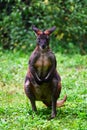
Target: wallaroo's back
(42, 82)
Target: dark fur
(42, 82)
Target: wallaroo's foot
(52, 116)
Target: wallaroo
(42, 82)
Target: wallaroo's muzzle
(43, 46)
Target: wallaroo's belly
(41, 92)
(42, 65)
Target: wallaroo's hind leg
(55, 94)
(29, 93)
(58, 89)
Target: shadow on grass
(45, 113)
(65, 112)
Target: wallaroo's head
(43, 37)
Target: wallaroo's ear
(49, 31)
(36, 30)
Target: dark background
(18, 16)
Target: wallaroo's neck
(42, 50)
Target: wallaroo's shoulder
(50, 52)
(33, 57)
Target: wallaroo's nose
(43, 46)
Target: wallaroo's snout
(42, 81)
(43, 46)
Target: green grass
(15, 108)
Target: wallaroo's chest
(43, 60)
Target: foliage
(15, 109)
(69, 16)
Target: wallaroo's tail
(60, 103)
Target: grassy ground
(15, 109)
